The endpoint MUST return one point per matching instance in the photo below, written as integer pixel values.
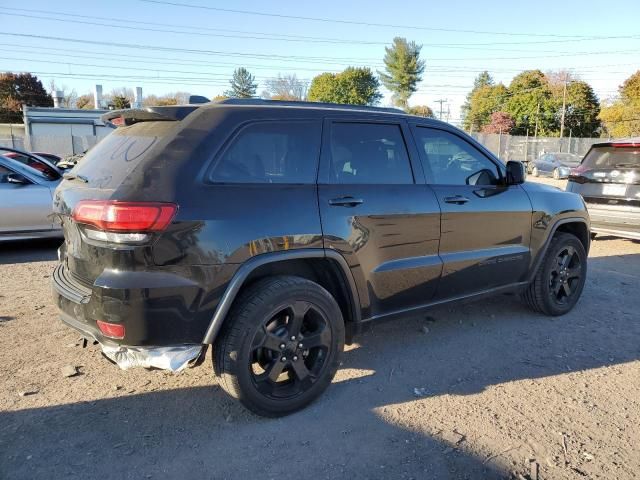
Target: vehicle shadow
(200, 432)
(27, 251)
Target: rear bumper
(157, 308)
(620, 221)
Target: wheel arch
(576, 226)
(326, 267)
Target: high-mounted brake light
(113, 216)
(625, 145)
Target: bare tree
(287, 87)
(69, 97)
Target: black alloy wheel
(280, 346)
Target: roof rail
(295, 103)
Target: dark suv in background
(609, 181)
(274, 231)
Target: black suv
(609, 180)
(275, 230)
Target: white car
(26, 196)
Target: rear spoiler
(130, 116)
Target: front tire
(560, 279)
(556, 174)
(281, 345)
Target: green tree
(354, 86)
(404, 70)
(17, 89)
(530, 100)
(581, 111)
(481, 103)
(242, 83)
(482, 80)
(119, 102)
(421, 111)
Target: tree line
(534, 103)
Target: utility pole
(448, 112)
(441, 101)
(564, 104)
(535, 132)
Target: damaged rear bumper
(173, 357)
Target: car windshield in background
(567, 158)
(35, 163)
(43, 174)
(613, 157)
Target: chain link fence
(526, 149)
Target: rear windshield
(613, 157)
(116, 155)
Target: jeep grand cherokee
(274, 231)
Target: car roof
(179, 112)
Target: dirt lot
(486, 390)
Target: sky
(194, 45)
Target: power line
(285, 57)
(277, 37)
(351, 22)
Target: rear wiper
(71, 176)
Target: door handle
(457, 199)
(345, 202)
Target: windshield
(612, 157)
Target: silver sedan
(26, 195)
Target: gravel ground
(483, 390)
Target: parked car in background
(26, 195)
(275, 230)
(609, 181)
(558, 165)
(33, 160)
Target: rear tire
(560, 279)
(535, 172)
(280, 346)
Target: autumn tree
(287, 87)
(483, 101)
(621, 118)
(420, 111)
(501, 122)
(403, 70)
(85, 102)
(483, 79)
(355, 86)
(243, 84)
(17, 89)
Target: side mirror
(17, 179)
(515, 173)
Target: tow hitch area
(173, 358)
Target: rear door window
(271, 152)
(368, 153)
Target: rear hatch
(609, 175)
(100, 226)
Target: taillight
(111, 330)
(114, 216)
